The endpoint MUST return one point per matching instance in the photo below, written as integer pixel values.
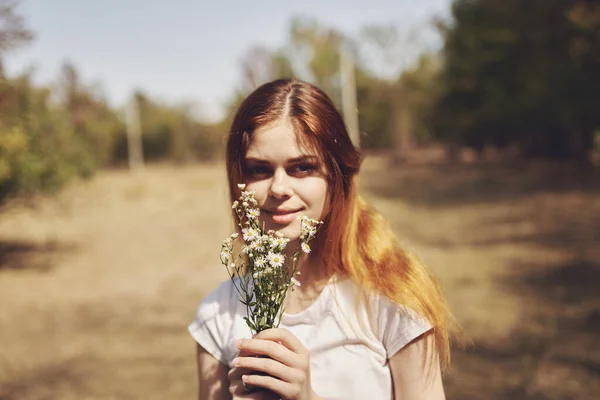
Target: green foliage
(312, 53)
(521, 73)
(13, 32)
(39, 150)
(96, 124)
(316, 50)
(171, 133)
(48, 137)
(51, 136)
(510, 73)
(375, 105)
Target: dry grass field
(98, 284)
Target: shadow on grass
(554, 354)
(442, 185)
(126, 348)
(47, 381)
(28, 255)
(574, 229)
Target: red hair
(355, 240)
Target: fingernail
(236, 361)
(238, 344)
(245, 377)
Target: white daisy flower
(250, 234)
(248, 196)
(260, 262)
(305, 248)
(275, 259)
(257, 246)
(225, 255)
(278, 243)
(241, 186)
(295, 282)
(253, 213)
(308, 232)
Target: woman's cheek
(260, 192)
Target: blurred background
(480, 120)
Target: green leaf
(250, 324)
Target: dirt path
(99, 283)
(102, 281)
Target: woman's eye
(304, 169)
(257, 171)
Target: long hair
(355, 240)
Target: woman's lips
(282, 216)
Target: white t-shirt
(349, 345)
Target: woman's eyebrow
(256, 160)
(295, 160)
(306, 158)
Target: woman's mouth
(283, 216)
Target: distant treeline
(511, 74)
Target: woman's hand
(287, 365)
(237, 389)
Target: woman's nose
(280, 186)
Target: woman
(368, 320)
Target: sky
(182, 50)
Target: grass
(99, 283)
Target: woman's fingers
(234, 374)
(284, 337)
(268, 348)
(239, 392)
(279, 344)
(285, 369)
(284, 389)
(268, 366)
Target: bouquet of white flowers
(265, 274)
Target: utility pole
(134, 135)
(348, 85)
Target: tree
(316, 54)
(90, 116)
(312, 53)
(510, 77)
(405, 94)
(260, 65)
(13, 32)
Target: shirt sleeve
(398, 325)
(213, 322)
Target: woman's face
(288, 182)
